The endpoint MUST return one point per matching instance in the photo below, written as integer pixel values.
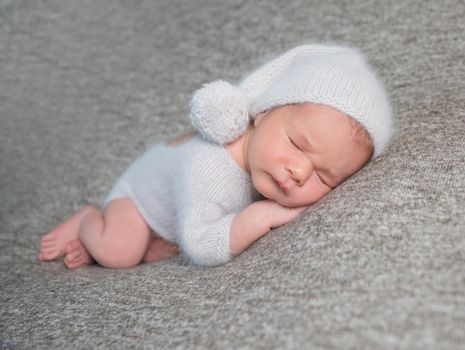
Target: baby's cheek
(263, 185)
(313, 191)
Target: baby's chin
(281, 198)
(292, 203)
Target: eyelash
(293, 143)
(321, 180)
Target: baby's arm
(213, 237)
(256, 220)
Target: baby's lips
(285, 186)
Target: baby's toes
(43, 256)
(74, 255)
(48, 237)
(73, 246)
(48, 242)
(77, 255)
(48, 253)
(73, 264)
(48, 245)
(73, 251)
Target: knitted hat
(335, 76)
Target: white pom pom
(219, 111)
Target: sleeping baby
(263, 151)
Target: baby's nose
(301, 171)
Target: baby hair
(362, 137)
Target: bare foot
(54, 243)
(160, 249)
(77, 255)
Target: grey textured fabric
(379, 263)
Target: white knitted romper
(189, 194)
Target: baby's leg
(119, 238)
(53, 244)
(160, 249)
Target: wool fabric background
(377, 264)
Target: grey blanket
(379, 263)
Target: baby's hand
(278, 215)
(257, 220)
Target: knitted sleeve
(206, 244)
(208, 208)
(210, 193)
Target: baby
(264, 150)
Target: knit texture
(378, 264)
(335, 76)
(189, 195)
(219, 111)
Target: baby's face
(299, 153)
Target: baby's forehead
(322, 125)
(358, 132)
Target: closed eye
(323, 181)
(293, 143)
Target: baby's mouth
(283, 185)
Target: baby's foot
(77, 255)
(53, 244)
